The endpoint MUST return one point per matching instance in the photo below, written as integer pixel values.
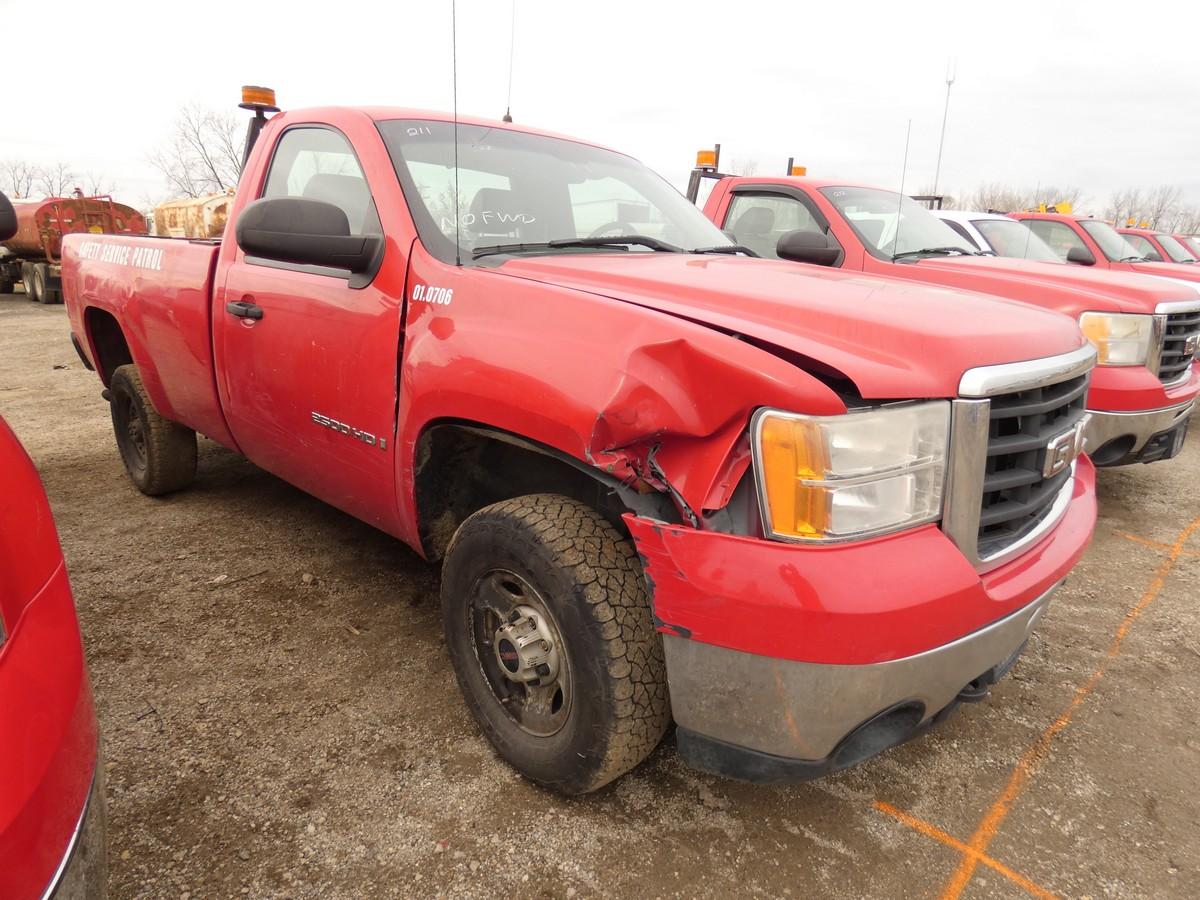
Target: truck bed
(160, 291)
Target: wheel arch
(110, 347)
(461, 466)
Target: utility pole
(951, 67)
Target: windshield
(519, 188)
(890, 225)
(1112, 244)
(1011, 238)
(1175, 249)
(1189, 242)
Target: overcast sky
(1098, 95)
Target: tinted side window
(319, 164)
(1060, 237)
(759, 221)
(958, 227)
(1144, 247)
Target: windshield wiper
(641, 240)
(943, 251)
(1134, 259)
(725, 248)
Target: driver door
(309, 387)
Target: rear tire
(41, 279)
(159, 455)
(27, 279)
(600, 705)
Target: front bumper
(833, 716)
(1119, 438)
(777, 654)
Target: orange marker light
(799, 170)
(254, 96)
(792, 452)
(706, 159)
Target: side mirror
(808, 247)
(305, 232)
(1081, 256)
(8, 219)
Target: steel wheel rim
(135, 433)
(501, 597)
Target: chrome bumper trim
(1107, 426)
(802, 710)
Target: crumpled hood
(1067, 288)
(892, 338)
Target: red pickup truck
(819, 509)
(1145, 330)
(1158, 246)
(1090, 242)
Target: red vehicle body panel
(1070, 290)
(48, 750)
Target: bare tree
(743, 166)
(56, 180)
(18, 177)
(203, 155)
(1162, 203)
(1186, 220)
(97, 185)
(1008, 198)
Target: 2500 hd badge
(341, 427)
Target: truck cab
(1094, 243)
(802, 513)
(1157, 246)
(1146, 330)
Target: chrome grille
(1016, 494)
(1180, 334)
(1001, 495)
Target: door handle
(244, 309)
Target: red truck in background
(1157, 246)
(52, 824)
(1090, 242)
(818, 509)
(1145, 385)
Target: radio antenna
(900, 202)
(454, 88)
(512, 40)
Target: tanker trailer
(32, 255)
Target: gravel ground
(280, 720)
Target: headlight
(838, 478)
(1120, 339)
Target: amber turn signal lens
(793, 452)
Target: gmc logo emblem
(1062, 450)
(1189, 346)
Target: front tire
(550, 633)
(159, 455)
